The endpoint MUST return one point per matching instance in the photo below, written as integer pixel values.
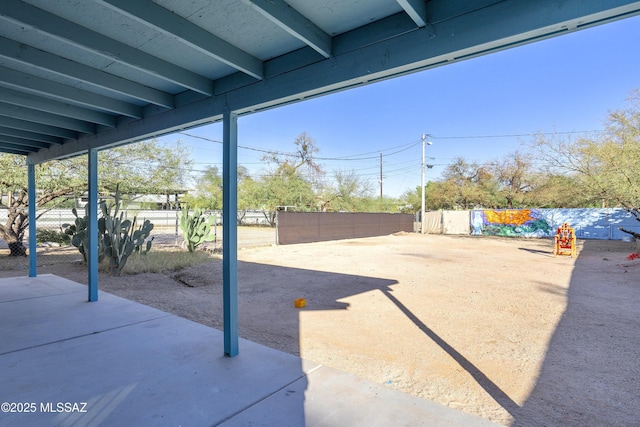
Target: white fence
(55, 218)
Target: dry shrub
(157, 261)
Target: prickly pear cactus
(121, 237)
(197, 228)
(79, 236)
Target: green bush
(54, 236)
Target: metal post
(92, 226)
(277, 229)
(31, 188)
(422, 188)
(177, 225)
(424, 140)
(230, 231)
(381, 177)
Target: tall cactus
(79, 236)
(121, 237)
(197, 228)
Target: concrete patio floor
(68, 362)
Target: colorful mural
(588, 223)
(510, 223)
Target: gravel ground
(494, 327)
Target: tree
(464, 186)
(287, 184)
(208, 192)
(514, 178)
(553, 190)
(605, 167)
(350, 193)
(247, 193)
(145, 167)
(377, 204)
(508, 182)
(57, 180)
(283, 190)
(290, 163)
(412, 200)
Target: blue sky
(566, 84)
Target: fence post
(177, 213)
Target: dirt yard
(494, 327)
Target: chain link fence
(53, 245)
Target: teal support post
(92, 226)
(31, 188)
(230, 231)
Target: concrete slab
(67, 362)
(18, 288)
(48, 309)
(336, 398)
(165, 371)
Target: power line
(239, 146)
(354, 156)
(400, 148)
(392, 169)
(515, 135)
(350, 157)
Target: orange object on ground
(565, 241)
(300, 303)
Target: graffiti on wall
(510, 223)
(589, 223)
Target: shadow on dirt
(548, 253)
(483, 381)
(590, 374)
(324, 291)
(321, 290)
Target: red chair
(565, 241)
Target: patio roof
(77, 76)
(80, 74)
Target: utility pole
(422, 188)
(381, 177)
(424, 140)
